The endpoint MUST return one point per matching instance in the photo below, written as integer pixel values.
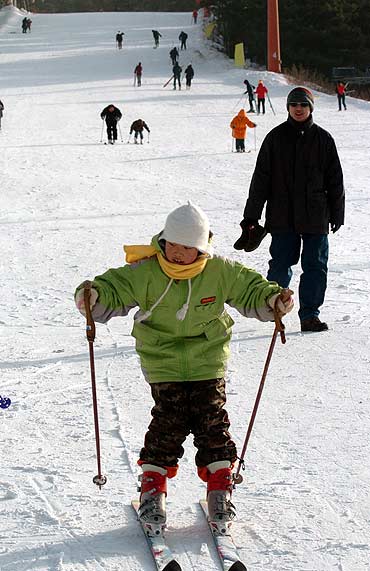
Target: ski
(162, 554)
(225, 545)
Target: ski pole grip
(90, 324)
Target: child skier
(239, 128)
(137, 127)
(182, 334)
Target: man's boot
(219, 489)
(153, 490)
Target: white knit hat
(188, 225)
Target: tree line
(55, 6)
(317, 35)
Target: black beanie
(300, 95)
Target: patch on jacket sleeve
(206, 300)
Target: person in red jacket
(341, 94)
(261, 92)
(239, 126)
(195, 15)
(138, 72)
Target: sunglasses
(304, 104)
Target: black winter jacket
(111, 116)
(299, 177)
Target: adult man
(112, 115)
(174, 54)
(250, 91)
(176, 70)
(183, 37)
(119, 39)
(299, 177)
(156, 36)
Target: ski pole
(148, 137)
(279, 328)
(232, 144)
(129, 139)
(120, 133)
(255, 139)
(134, 79)
(99, 479)
(102, 129)
(238, 102)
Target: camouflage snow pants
(182, 408)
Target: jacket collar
(300, 126)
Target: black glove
(252, 235)
(335, 226)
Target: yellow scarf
(172, 270)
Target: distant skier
(183, 37)
(176, 70)
(341, 95)
(195, 15)
(239, 126)
(261, 92)
(24, 25)
(250, 91)
(138, 71)
(189, 74)
(183, 341)
(112, 115)
(156, 36)
(138, 127)
(174, 54)
(1, 111)
(119, 39)
(29, 24)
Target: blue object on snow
(5, 402)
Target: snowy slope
(68, 203)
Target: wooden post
(273, 36)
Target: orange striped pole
(273, 36)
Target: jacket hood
(241, 113)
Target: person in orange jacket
(239, 126)
(261, 92)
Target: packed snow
(68, 204)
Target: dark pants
(341, 100)
(285, 252)
(138, 79)
(239, 144)
(182, 408)
(188, 81)
(260, 103)
(183, 45)
(176, 78)
(112, 131)
(138, 133)
(251, 101)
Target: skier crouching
(138, 127)
(182, 334)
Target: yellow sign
(239, 59)
(209, 29)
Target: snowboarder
(156, 36)
(299, 176)
(195, 15)
(174, 54)
(261, 92)
(137, 127)
(341, 95)
(239, 127)
(184, 349)
(1, 111)
(250, 92)
(189, 74)
(183, 37)
(119, 39)
(112, 115)
(176, 70)
(138, 72)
